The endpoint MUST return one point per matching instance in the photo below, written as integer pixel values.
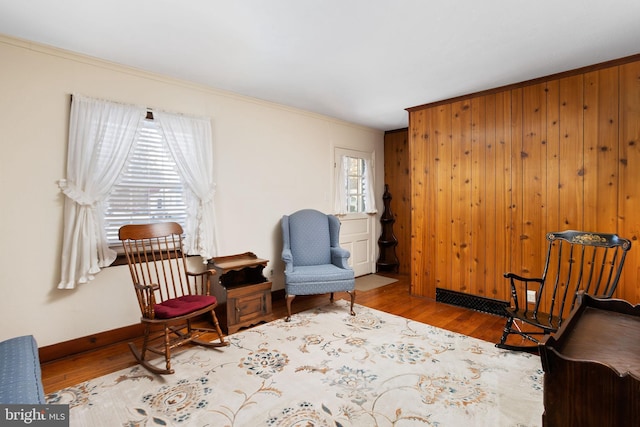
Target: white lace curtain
(189, 142)
(340, 201)
(369, 197)
(101, 135)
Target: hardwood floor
(393, 298)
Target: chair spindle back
(591, 262)
(155, 258)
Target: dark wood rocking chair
(576, 261)
(169, 296)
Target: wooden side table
(247, 291)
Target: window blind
(149, 189)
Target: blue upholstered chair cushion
(20, 374)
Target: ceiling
(363, 61)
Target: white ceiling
(363, 61)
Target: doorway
(355, 211)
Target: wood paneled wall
(492, 173)
(397, 177)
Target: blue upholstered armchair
(314, 261)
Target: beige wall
(270, 160)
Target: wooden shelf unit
(246, 291)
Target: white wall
(270, 160)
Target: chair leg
(353, 299)
(167, 347)
(289, 299)
(508, 330)
(200, 331)
(140, 356)
(505, 332)
(216, 325)
(145, 342)
(331, 298)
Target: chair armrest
(522, 278)
(147, 299)
(526, 280)
(202, 273)
(287, 257)
(140, 287)
(340, 257)
(20, 372)
(201, 281)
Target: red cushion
(182, 305)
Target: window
(107, 138)
(149, 189)
(355, 184)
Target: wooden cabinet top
(237, 262)
(602, 331)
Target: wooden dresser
(592, 366)
(245, 289)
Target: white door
(356, 235)
(357, 231)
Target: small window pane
(355, 185)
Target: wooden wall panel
(431, 187)
(601, 149)
(515, 136)
(554, 170)
(571, 154)
(533, 156)
(629, 162)
(510, 165)
(421, 275)
(553, 156)
(460, 188)
(532, 177)
(502, 196)
(479, 257)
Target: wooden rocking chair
(576, 261)
(169, 296)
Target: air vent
(473, 302)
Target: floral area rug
(324, 368)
